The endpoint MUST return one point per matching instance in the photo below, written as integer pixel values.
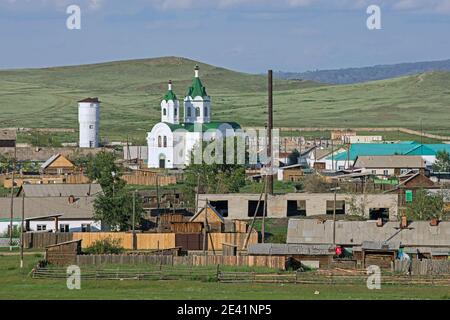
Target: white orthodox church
(171, 141)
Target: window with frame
(165, 142)
(85, 227)
(386, 172)
(164, 111)
(189, 111)
(205, 111)
(159, 142)
(41, 227)
(64, 227)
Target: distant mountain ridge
(364, 74)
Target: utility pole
(22, 231)
(12, 200)
(157, 191)
(263, 225)
(133, 223)
(269, 129)
(335, 189)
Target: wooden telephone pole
(11, 226)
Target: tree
(103, 169)
(213, 178)
(293, 157)
(117, 211)
(114, 207)
(426, 206)
(442, 163)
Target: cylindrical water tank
(89, 120)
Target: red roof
(90, 100)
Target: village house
(7, 138)
(57, 165)
(56, 207)
(392, 165)
(345, 159)
(292, 173)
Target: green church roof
(197, 89)
(169, 94)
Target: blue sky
(246, 35)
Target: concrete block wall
(316, 203)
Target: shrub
(105, 246)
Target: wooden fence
(274, 262)
(423, 267)
(149, 180)
(40, 240)
(160, 241)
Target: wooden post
(254, 216)
(22, 230)
(133, 221)
(12, 201)
(204, 228)
(269, 129)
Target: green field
(16, 284)
(131, 92)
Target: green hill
(131, 92)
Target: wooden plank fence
(160, 241)
(273, 262)
(423, 267)
(40, 240)
(149, 180)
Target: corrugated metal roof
(391, 161)
(386, 149)
(8, 135)
(50, 161)
(82, 208)
(61, 190)
(380, 245)
(289, 249)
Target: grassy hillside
(131, 91)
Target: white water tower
(89, 120)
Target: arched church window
(205, 111)
(197, 112)
(165, 142)
(175, 112)
(164, 112)
(159, 141)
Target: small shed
(8, 138)
(292, 173)
(319, 255)
(57, 164)
(209, 214)
(380, 253)
(64, 253)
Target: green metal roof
(197, 89)
(387, 149)
(205, 126)
(170, 96)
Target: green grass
(16, 284)
(131, 93)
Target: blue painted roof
(387, 149)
